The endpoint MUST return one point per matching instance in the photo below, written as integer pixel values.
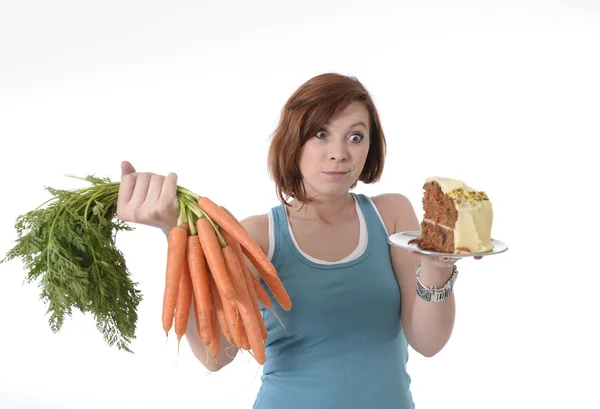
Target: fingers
(147, 198)
(125, 190)
(154, 188)
(169, 188)
(126, 168)
(140, 191)
(127, 184)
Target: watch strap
(436, 294)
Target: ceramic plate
(408, 241)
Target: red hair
(304, 114)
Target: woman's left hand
(444, 261)
(435, 270)
(441, 261)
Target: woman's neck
(323, 209)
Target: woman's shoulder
(391, 200)
(392, 207)
(257, 227)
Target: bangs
(315, 109)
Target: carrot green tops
(343, 345)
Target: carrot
(234, 315)
(279, 292)
(245, 342)
(228, 308)
(218, 302)
(195, 310)
(233, 321)
(184, 301)
(229, 223)
(176, 249)
(274, 283)
(200, 284)
(257, 290)
(260, 292)
(247, 277)
(215, 340)
(255, 306)
(248, 317)
(239, 327)
(214, 258)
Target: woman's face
(332, 159)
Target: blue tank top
(343, 345)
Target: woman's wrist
(433, 274)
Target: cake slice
(457, 219)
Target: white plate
(407, 240)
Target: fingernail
(446, 258)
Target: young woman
(344, 343)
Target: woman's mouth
(335, 174)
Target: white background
(505, 97)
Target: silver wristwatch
(435, 294)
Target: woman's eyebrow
(359, 123)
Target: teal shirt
(343, 345)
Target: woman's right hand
(147, 198)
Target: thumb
(126, 168)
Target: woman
(344, 344)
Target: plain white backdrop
(502, 96)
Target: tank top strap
(278, 231)
(372, 216)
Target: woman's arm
(227, 351)
(427, 325)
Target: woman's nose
(338, 151)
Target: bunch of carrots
(207, 271)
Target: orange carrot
(247, 277)
(229, 310)
(218, 305)
(195, 310)
(233, 320)
(176, 249)
(246, 311)
(260, 292)
(215, 340)
(239, 327)
(202, 293)
(274, 283)
(184, 302)
(257, 290)
(245, 342)
(214, 258)
(255, 306)
(227, 222)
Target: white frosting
(474, 224)
(449, 185)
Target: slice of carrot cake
(457, 219)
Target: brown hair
(305, 113)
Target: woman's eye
(321, 134)
(356, 138)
